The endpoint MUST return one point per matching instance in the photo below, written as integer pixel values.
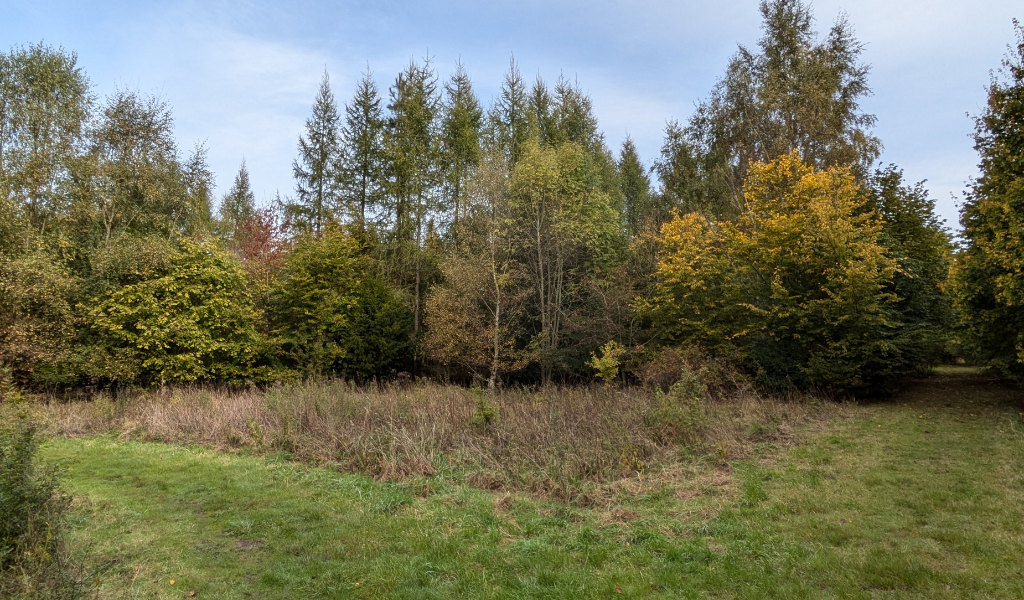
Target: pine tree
(460, 138)
(239, 203)
(363, 151)
(316, 169)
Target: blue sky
(241, 76)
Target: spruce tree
(636, 188)
(239, 203)
(363, 151)
(316, 168)
(460, 138)
(509, 119)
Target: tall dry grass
(554, 441)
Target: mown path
(921, 496)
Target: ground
(918, 496)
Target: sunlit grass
(921, 496)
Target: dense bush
(185, 321)
(332, 316)
(799, 282)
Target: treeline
(434, 236)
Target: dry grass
(573, 444)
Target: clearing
(919, 496)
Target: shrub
(607, 365)
(799, 284)
(678, 416)
(485, 414)
(34, 561)
(37, 319)
(189, 320)
(332, 316)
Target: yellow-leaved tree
(796, 286)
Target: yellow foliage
(798, 280)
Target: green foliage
(800, 282)
(38, 323)
(190, 320)
(485, 414)
(989, 288)
(679, 416)
(607, 365)
(917, 239)
(332, 317)
(34, 562)
(316, 169)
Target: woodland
(479, 331)
(429, 236)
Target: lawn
(919, 496)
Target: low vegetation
(568, 444)
(918, 496)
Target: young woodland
(430, 235)
(458, 300)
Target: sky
(241, 75)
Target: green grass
(921, 496)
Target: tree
(989, 288)
(362, 155)
(796, 93)
(44, 106)
(566, 230)
(316, 169)
(133, 179)
(460, 139)
(413, 176)
(239, 203)
(918, 240)
(192, 321)
(331, 317)
(508, 117)
(474, 315)
(799, 286)
(636, 188)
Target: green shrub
(34, 561)
(485, 414)
(679, 416)
(332, 315)
(190, 320)
(607, 365)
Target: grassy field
(920, 496)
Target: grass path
(918, 497)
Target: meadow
(916, 496)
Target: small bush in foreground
(34, 561)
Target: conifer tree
(239, 203)
(363, 151)
(460, 138)
(509, 120)
(542, 120)
(316, 168)
(412, 155)
(636, 187)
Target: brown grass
(576, 444)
